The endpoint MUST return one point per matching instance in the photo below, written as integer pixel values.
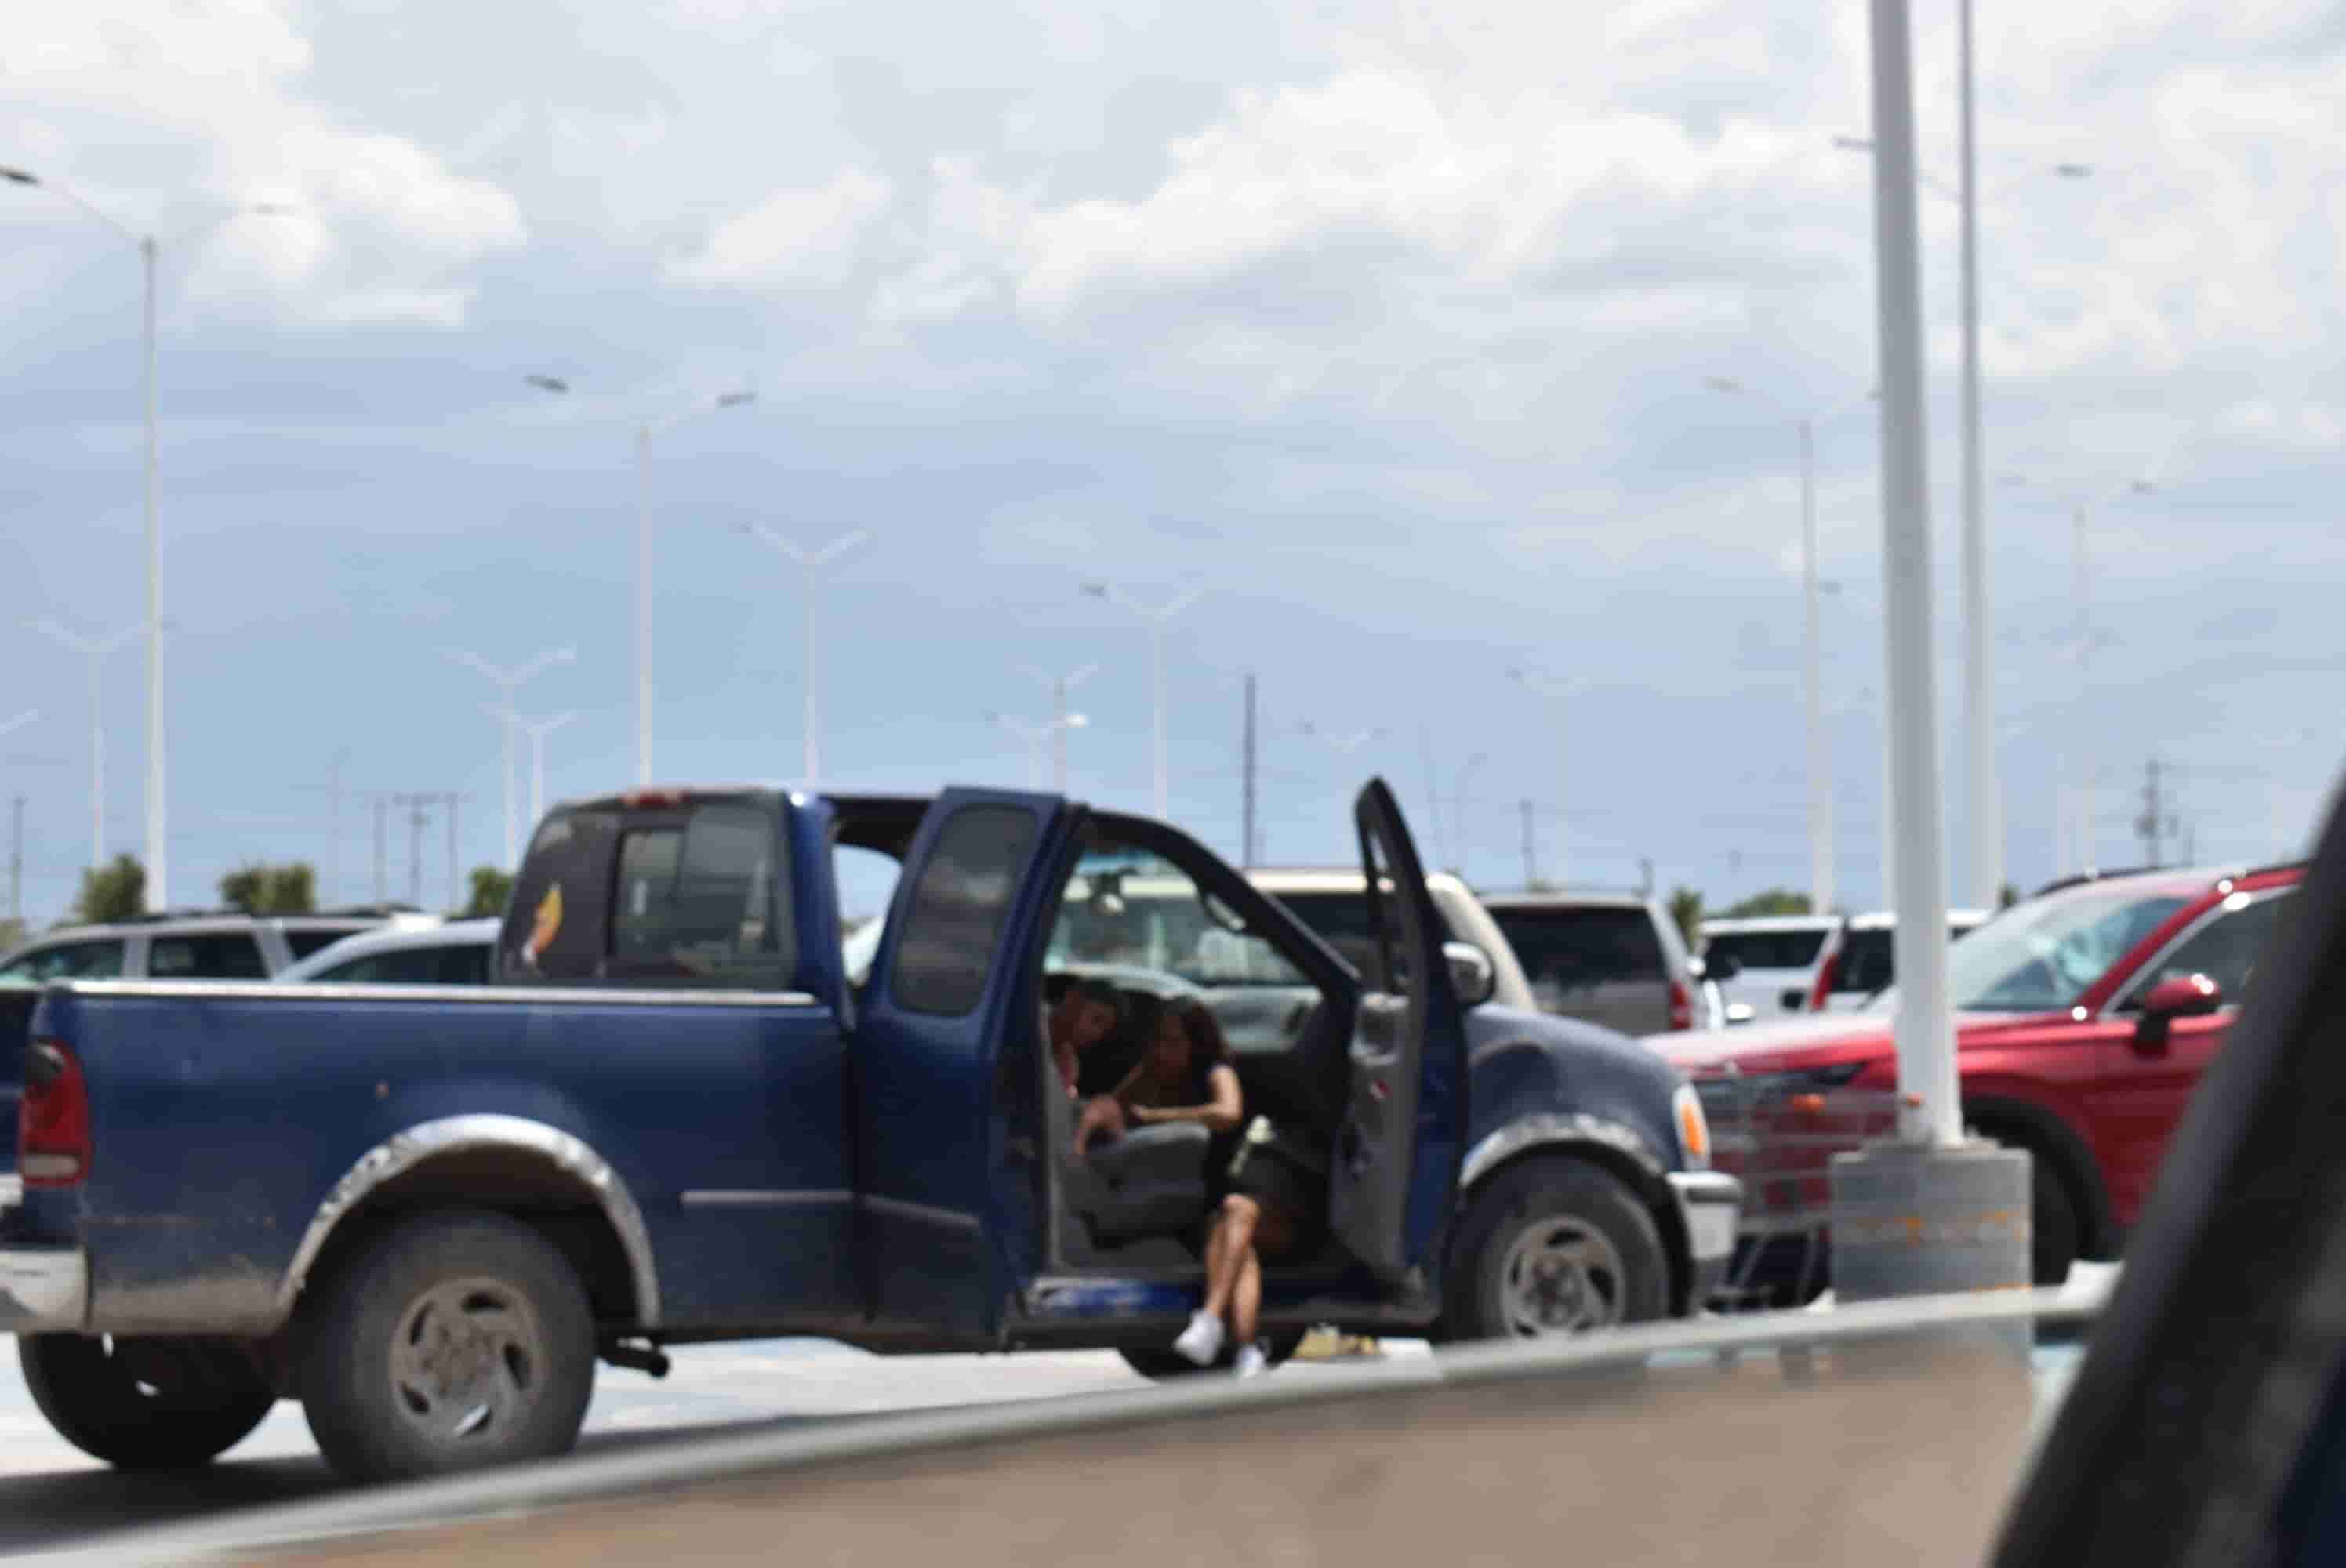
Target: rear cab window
(1767, 949)
(1866, 963)
(1567, 948)
(688, 893)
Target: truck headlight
(1694, 1127)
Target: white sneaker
(1253, 1362)
(1201, 1341)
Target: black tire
(2052, 1224)
(144, 1404)
(449, 1342)
(1164, 1365)
(1495, 1284)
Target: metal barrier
(1777, 1134)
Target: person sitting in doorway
(1087, 1014)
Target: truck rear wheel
(1553, 1247)
(144, 1404)
(450, 1342)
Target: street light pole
(1035, 734)
(643, 617)
(1984, 790)
(813, 565)
(1556, 690)
(1061, 722)
(95, 650)
(150, 248)
(538, 730)
(508, 682)
(1157, 618)
(1821, 805)
(1931, 1107)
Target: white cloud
(168, 117)
(806, 238)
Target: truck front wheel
(144, 1404)
(449, 1342)
(1553, 1247)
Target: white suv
(1770, 961)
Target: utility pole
(455, 902)
(1530, 863)
(1645, 876)
(1247, 787)
(2152, 825)
(332, 890)
(418, 819)
(382, 804)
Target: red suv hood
(1818, 1038)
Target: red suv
(2084, 1019)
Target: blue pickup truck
(688, 1111)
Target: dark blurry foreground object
(1897, 1449)
(2207, 1423)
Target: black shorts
(1282, 1185)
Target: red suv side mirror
(2181, 996)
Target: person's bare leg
(1246, 1299)
(1236, 1232)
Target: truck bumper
(43, 1290)
(1711, 1203)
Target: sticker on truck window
(546, 925)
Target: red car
(2085, 1016)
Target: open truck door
(1404, 1133)
(934, 1016)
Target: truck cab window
(698, 898)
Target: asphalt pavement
(52, 1495)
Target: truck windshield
(2043, 960)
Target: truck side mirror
(1471, 972)
(2178, 997)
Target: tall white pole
(506, 729)
(537, 775)
(1984, 794)
(1156, 650)
(1821, 814)
(1931, 1106)
(1060, 737)
(813, 705)
(97, 758)
(2083, 796)
(643, 607)
(159, 854)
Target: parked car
(1860, 964)
(1334, 904)
(190, 946)
(457, 952)
(1774, 957)
(1612, 958)
(2085, 1017)
(672, 1119)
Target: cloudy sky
(1385, 324)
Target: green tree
(1774, 901)
(491, 890)
(1686, 908)
(115, 890)
(265, 889)
(2007, 897)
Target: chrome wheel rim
(1560, 1275)
(468, 1362)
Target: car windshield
(2041, 959)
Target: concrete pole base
(1911, 1219)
